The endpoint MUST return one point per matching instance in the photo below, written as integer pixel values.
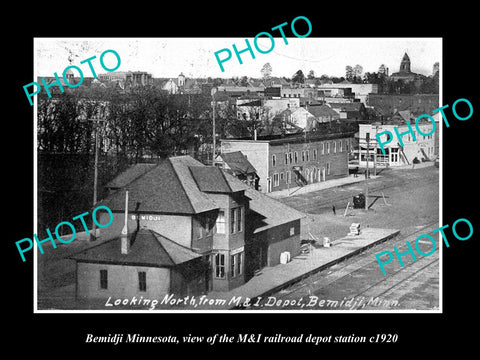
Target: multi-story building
(416, 103)
(188, 230)
(423, 148)
(358, 91)
(295, 160)
(299, 92)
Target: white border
(400, 311)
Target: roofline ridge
(225, 179)
(136, 178)
(116, 237)
(154, 234)
(168, 160)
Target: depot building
(191, 229)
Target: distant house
(180, 85)
(238, 165)
(350, 110)
(323, 113)
(299, 92)
(168, 85)
(298, 116)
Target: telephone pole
(366, 171)
(96, 121)
(213, 125)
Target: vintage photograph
(302, 179)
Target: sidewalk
(272, 279)
(320, 186)
(350, 179)
(414, 166)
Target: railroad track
(345, 269)
(402, 281)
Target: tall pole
(366, 172)
(376, 153)
(95, 120)
(214, 133)
(93, 235)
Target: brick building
(418, 104)
(295, 160)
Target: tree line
(143, 124)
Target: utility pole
(366, 171)
(214, 132)
(376, 153)
(96, 121)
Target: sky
(194, 57)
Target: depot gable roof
(177, 185)
(147, 248)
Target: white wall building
(423, 148)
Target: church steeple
(405, 64)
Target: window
(307, 155)
(220, 223)
(274, 160)
(290, 157)
(314, 154)
(219, 266)
(199, 228)
(328, 147)
(103, 279)
(209, 223)
(142, 281)
(341, 145)
(334, 147)
(239, 218)
(282, 177)
(232, 221)
(236, 217)
(303, 156)
(295, 155)
(236, 264)
(286, 158)
(323, 148)
(275, 180)
(292, 231)
(328, 168)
